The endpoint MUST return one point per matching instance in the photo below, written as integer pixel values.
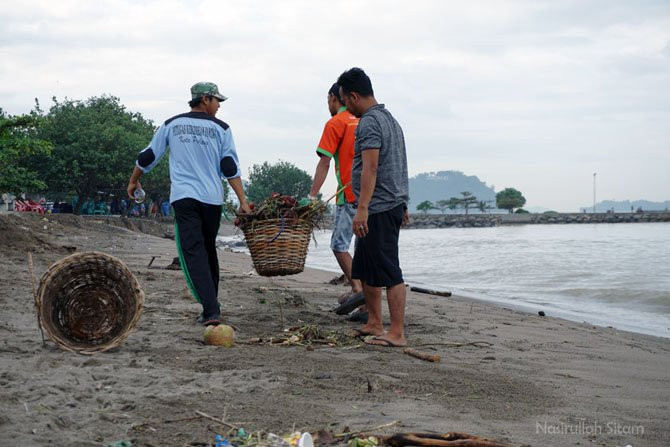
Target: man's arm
(236, 184)
(320, 175)
(331, 138)
(148, 158)
(370, 158)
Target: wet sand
(504, 374)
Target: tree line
(507, 199)
(81, 150)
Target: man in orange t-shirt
(337, 142)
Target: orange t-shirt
(337, 142)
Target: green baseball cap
(206, 89)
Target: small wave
(606, 274)
(233, 243)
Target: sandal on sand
(357, 333)
(384, 343)
(352, 303)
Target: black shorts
(376, 255)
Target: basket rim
(293, 221)
(112, 343)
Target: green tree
(510, 198)
(468, 201)
(18, 143)
(95, 143)
(282, 177)
(442, 205)
(453, 203)
(425, 206)
(483, 205)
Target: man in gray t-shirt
(380, 183)
(379, 130)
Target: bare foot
(360, 333)
(367, 329)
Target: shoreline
(525, 308)
(579, 311)
(530, 309)
(526, 372)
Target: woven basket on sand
(89, 302)
(278, 246)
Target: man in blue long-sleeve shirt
(202, 152)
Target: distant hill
(443, 185)
(624, 206)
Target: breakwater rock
(585, 218)
(454, 220)
(493, 220)
(443, 221)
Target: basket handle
(281, 230)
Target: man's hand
(236, 184)
(368, 180)
(405, 218)
(245, 208)
(360, 222)
(134, 182)
(132, 186)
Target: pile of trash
(280, 206)
(295, 439)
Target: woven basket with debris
(278, 231)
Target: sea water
(606, 274)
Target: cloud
(511, 91)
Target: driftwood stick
(366, 430)
(422, 355)
(477, 344)
(222, 422)
(190, 418)
(167, 421)
(36, 299)
(429, 291)
(281, 312)
(151, 262)
(453, 439)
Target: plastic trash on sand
(277, 441)
(306, 440)
(295, 439)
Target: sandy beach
(506, 375)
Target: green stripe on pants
(182, 262)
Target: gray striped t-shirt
(378, 129)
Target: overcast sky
(535, 95)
